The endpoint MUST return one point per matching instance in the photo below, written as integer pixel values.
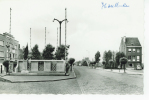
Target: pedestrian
(67, 68)
(1, 68)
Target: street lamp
(60, 22)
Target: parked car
(139, 67)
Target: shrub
(84, 63)
(6, 63)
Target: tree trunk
(111, 66)
(124, 68)
(71, 67)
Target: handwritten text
(105, 5)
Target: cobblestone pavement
(88, 81)
(92, 81)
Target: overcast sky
(91, 28)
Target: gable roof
(132, 41)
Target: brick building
(132, 48)
(8, 39)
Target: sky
(91, 27)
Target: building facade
(132, 48)
(11, 52)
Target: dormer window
(131, 43)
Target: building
(132, 48)
(11, 52)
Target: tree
(60, 52)
(123, 61)
(113, 58)
(48, 52)
(6, 64)
(93, 64)
(20, 54)
(106, 57)
(118, 56)
(35, 52)
(84, 63)
(111, 62)
(103, 62)
(109, 54)
(71, 61)
(97, 55)
(25, 56)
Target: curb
(74, 76)
(125, 73)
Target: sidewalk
(34, 78)
(127, 71)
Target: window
(1, 43)
(133, 58)
(138, 50)
(129, 58)
(129, 50)
(1, 53)
(138, 58)
(7, 55)
(13, 51)
(134, 50)
(15, 47)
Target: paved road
(88, 81)
(93, 81)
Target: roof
(132, 41)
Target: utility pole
(30, 38)
(10, 22)
(57, 37)
(65, 32)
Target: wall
(48, 65)
(134, 54)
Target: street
(93, 81)
(88, 81)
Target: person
(1, 68)
(67, 68)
